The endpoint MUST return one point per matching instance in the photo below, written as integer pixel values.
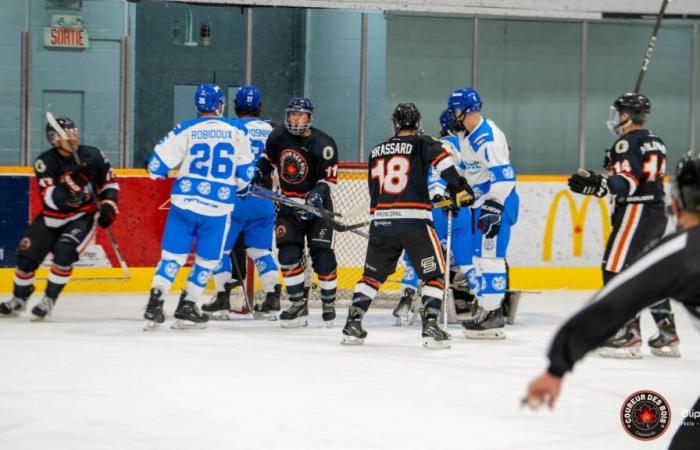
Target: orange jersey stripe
(625, 234)
(400, 205)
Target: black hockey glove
(451, 207)
(490, 218)
(461, 193)
(108, 212)
(588, 183)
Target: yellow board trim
(524, 278)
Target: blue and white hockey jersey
(215, 161)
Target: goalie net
(350, 194)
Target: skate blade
(12, 315)
(667, 351)
(329, 323)
(220, 316)
(431, 344)
(485, 334)
(265, 316)
(187, 325)
(151, 326)
(34, 318)
(620, 353)
(352, 340)
(295, 323)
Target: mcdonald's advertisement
(557, 243)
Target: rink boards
(556, 244)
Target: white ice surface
(92, 379)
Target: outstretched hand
(543, 389)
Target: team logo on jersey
(428, 264)
(204, 188)
(492, 177)
(645, 415)
(499, 283)
(508, 173)
(40, 166)
(281, 231)
(154, 165)
(25, 243)
(328, 152)
(185, 186)
(294, 166)
(622, 146)
(224, 193)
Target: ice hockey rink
(92, 379)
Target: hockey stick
(62, 133)
(244, 288)
(650, 47)
(448, 256)
(326, 216)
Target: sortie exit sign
(67, 32)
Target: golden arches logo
(578, 222)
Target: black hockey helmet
(406, 117)
(686, 184)
(636, 105)
(64, 122)
(303, 105)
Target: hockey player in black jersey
(671, 269)
(68, 217)
(636, 164)
(401, 220)
(306, 160)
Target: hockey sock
(58, 277)
(661, 310)
(294, 280)
(328, 285)
(494, 281)
(432, 297)
(23, 285)
(197, 282)
(266, 266)
(165, 274)
(365, 291)
(223, 272)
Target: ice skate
(13, 307)
(626, 344)
(187, 315)
(268, 308)
(43, 309)
(665, 342)
(465, 308)
(353, 333)
(434, 337)
(296, 316)
(510, 304)
(154, 310)
(220, 305)
(328, 313)
(485, 325)
(403, 309)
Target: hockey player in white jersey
(254, 217)
(461, 267)
(215, 163)
(486, 166)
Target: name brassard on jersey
(392, 148)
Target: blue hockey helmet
(208, 97)
(447, 121)
(299, 105)
(464, 100)
(247, 99)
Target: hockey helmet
(208, 98)
(299, 105)
(636, 105)
(464, 100)
(686, 184)
(406, 117)
(247, 99)
(65, 123)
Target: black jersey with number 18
(398, 174)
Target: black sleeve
(267, 162)
(102, 176)
(325, 154)
(54, 194)
(657, 275)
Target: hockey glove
(588, 183)
(451, 207)
(108, 212)
(461, 194)
(490, 218)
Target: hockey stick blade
(53, 123)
